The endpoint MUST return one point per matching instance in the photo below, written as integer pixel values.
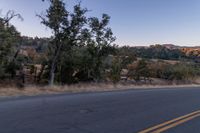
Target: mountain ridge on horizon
(170, 46)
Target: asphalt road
(111, 112)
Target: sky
(134, 22)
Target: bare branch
(10, 15)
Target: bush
(180, 71)
(138, 70)
(115, 74)
(2, 72)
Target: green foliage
(155, 52)
(2, 72)
(115, 74)
(11, 68)
(39, 44)
(9, 39)
(73, 34)
(100, 44)
(178, 71)
(82, 49)
(127, 56)
(56, 19)
(9, 43)
(182, 72)
(139, 70)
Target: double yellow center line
(172, 123)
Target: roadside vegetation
(82, 50)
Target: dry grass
(82, 87)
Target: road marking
(176, 124)
(172, 123)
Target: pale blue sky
(134, 22)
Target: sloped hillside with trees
(82, 49)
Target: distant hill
(171, 46)
(167, 52)
(188, 51)
(39, 44)
(194, 52)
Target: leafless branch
(10, 15)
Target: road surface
(152, 110)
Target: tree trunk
(51, 81)
(53, 65)
(52, 73)
(40, 74)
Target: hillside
(193, 51)
(167, 51)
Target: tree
(116, 68)
(127, 56)
(100, 44)
(55, 19)
(9, 44)
(68, 31)
(72, 33)
(75, 36)
(9, 16)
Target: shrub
(115, 74)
